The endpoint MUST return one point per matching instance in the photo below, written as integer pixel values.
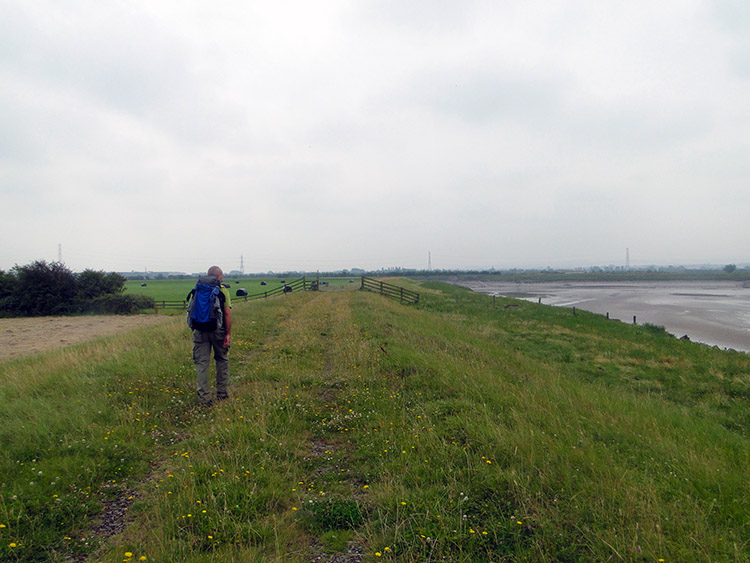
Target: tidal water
(711, 312)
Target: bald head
(215, 271)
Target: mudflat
(21, 337)
(711, 312)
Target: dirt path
(27, 336)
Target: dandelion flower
(128, 554)
(142, 558)
(12, 544)
(378, 554)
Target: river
(711, 312)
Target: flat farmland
(178, 289)
(29, 336)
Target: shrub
(92, 284)
(654, 329)
(120, 304)
(43, 289)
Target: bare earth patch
(28, 336)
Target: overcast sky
(300, 135)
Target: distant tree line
(41, 289)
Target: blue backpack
(205, 310)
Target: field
(359, 429)
(27, 336)
(178, 289)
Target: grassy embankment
(451, 430)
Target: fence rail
(300, 284)
(170, 304)
(389, 290)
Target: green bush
(119, 304)
(41, 289)
(92, 284)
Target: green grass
(453, 430)
(178, 289)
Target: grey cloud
(123, 61)
(633, 130)
(422, 15)
(484, 97)
(508, 135)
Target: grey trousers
(203, 344)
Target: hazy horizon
(332, 135)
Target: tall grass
(454, 430)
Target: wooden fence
(300, 284)
(389, 290)
(173, 304)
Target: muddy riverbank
(712, 312)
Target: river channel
(711, 312)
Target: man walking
(210, 317)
